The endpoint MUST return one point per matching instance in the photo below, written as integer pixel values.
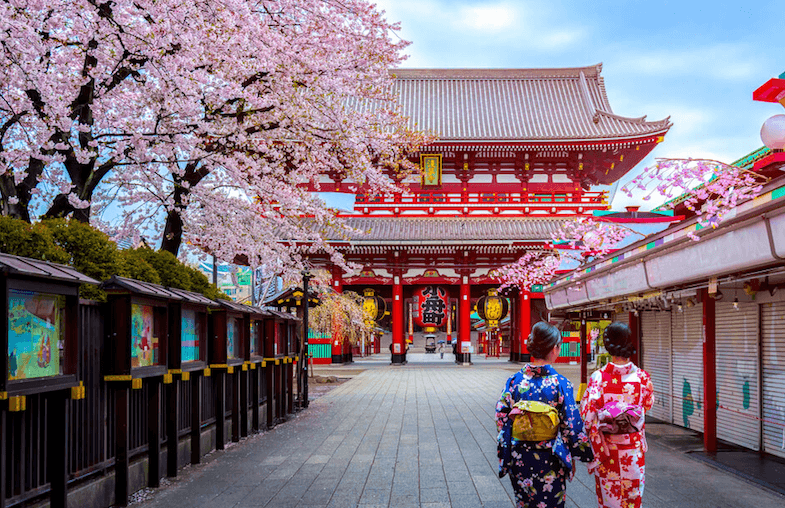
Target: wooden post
(256, 375)
(709, 373)
(270, 394)
(584, 350)
(220, 408)
(172, 417)
(289, 369)
(121, 444)
(154, 432)
(234, 379)
(57, 448)
(196, 418)
(244, 403)
(280, 400)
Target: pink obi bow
(620, 418)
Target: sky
(697, 62)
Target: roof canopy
(567, 104)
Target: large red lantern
(431, 305)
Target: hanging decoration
(374, 306)
(492, 308)
(430, 307)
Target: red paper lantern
(431, 305)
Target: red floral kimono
(619, 459)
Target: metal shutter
(622, 317)
(687, 342)
(773, 355)
(737, 374)
(656, 343)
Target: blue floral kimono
(539, 471)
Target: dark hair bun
(618, 340)
(542, 339)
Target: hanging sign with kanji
(430, 307)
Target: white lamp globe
(773, 132)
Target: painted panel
(773, 367)
(36, 331)
(144, 338)
(190, 335)
(687, 346)
(233, 338)
(738, 410)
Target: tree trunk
(173, 231)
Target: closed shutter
(656, 343)
(773, 356)
(687, 341)
(737, 374)
(622, 317)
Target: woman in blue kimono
(539, 470)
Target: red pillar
(337, 335)
(525, 325)
(464, 319)
(635, 328)
(399, 349)
(709, 374)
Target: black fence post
(303, 365)
(256, 375)
(154, 432)
(270, 394)
(121, 444)
(172, 418)
(234, 378)
(220, 408)
(196, 418)
(57, 448)
(244, 401)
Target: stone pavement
(420, 435)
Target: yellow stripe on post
(136, 384)
(185, 376)
(16, 404)
(581, 391)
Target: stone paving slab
(420, 435)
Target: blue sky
(697, 62)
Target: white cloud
(723, 62)
(487, 19)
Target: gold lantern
(492, 308)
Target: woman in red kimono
(619, 458)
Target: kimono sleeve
(573, 431)
(504, 426)
(647, 391)
(592, 400)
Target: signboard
(431, 167)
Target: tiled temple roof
(567, 104)
(431, 230)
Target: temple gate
(519, 151)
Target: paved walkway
(421, 435)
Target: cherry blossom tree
(314, 97)
(206, 115)
(709, 188)
(74, 78)
(339, 314)
(586, 239)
